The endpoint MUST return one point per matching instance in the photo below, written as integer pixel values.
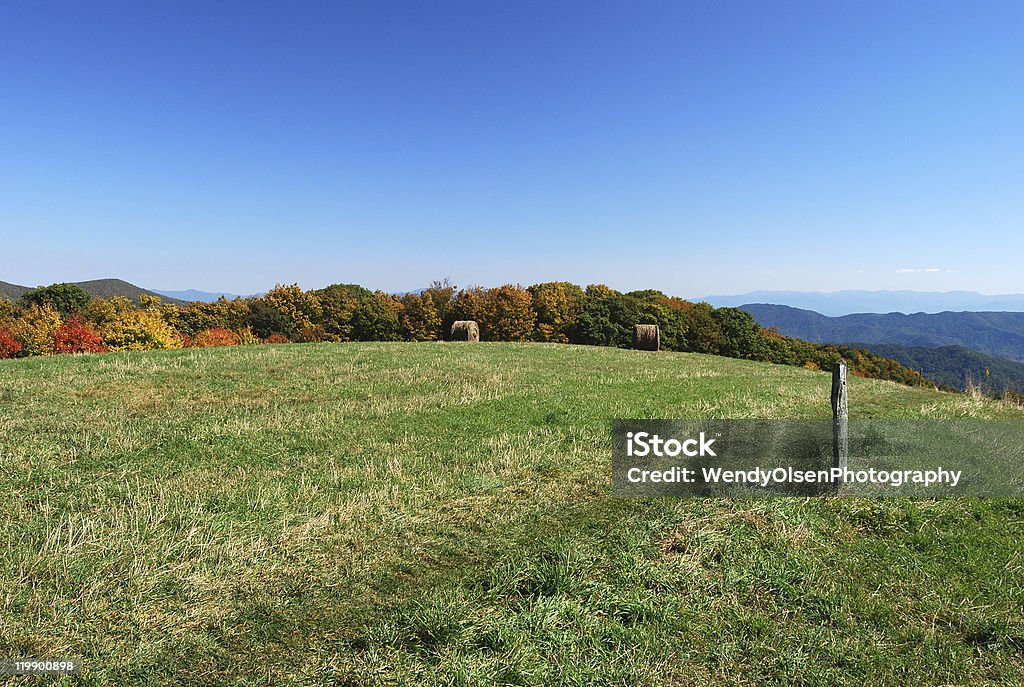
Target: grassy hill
(999, 334)
(359, 514)
(102, 288)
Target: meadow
(438, 514)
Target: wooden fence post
(840, 418)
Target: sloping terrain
(956, 366)
(11, 292)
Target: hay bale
(465, 330)
(647, 337)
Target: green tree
(66, 299)
(265, 320)
(375, 320)
(602, 321)
(741, 335)
(338, 304)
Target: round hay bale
(465, 330)
(647, 337)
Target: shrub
(276, 338)
(75, 336)
(140, 330)
(9, 346)
(210, 338)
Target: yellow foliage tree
(558, 306)
(301, 308)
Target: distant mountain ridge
(101, 288)
(1000, 334)
(190, 295)
(838, 303)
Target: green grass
(359, 514)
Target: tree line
(63, 318)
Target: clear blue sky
(695, 147)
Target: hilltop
(438, 513)
(100, 288)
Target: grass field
(436, 514)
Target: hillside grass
(437, 514)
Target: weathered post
(840, 418)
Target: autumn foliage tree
(420, 319)
(300, 309)
(195, 317)
(557, 306)
(508, 314)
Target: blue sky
(694, 147)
